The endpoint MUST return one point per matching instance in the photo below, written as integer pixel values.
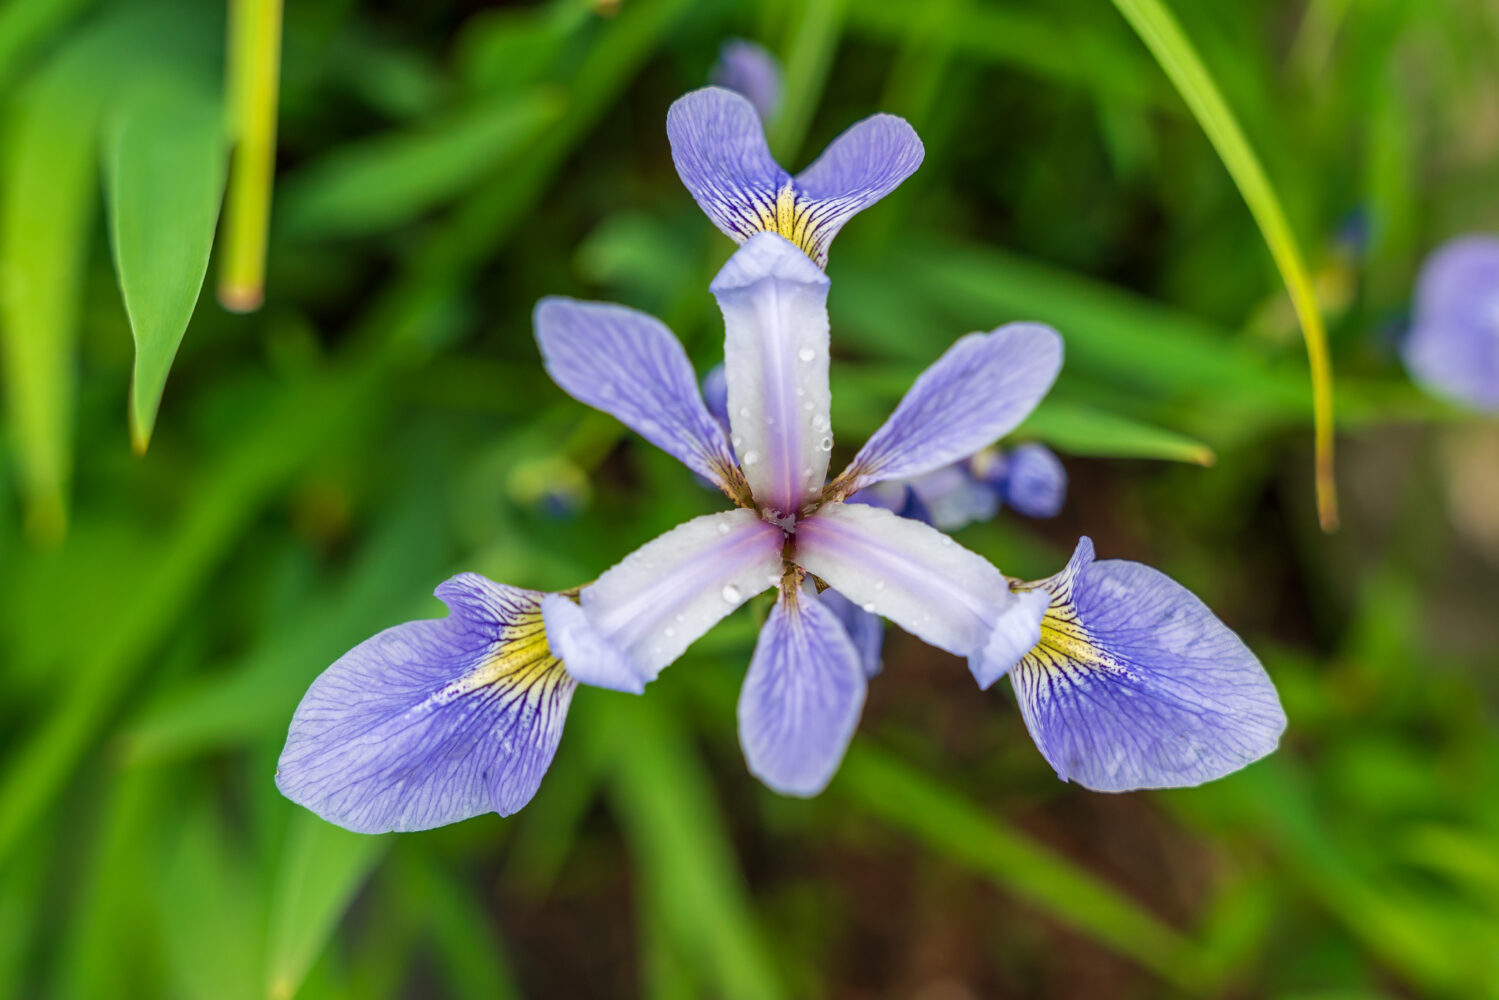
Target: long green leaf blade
(1080, 429)
(164, 167)
(1172, 49)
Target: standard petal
(952, 497)
(866, 630)
(631, 366)
(719, 148)
(435, 721)
(664, 595)
(1136, 684)
(801, 698)
(979, 390)
(1453, 345)
(858, 168)
(774, 303)
(915, 576)
(748, 68)
(1035, 483)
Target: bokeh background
(382, 421)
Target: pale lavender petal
(866, 630)
(435, 721)
(858, 168)
(718, 146)
(655, 603)
(586, 655)
(915, 576)
(774, 303)
(979, 390)
(1136, 684)
(896, 496)
(631, 366)
(802, 697)
(716, 395)
(1035, 482)
(952, 497)
(1453, 345)
(748, 68)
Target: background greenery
(319, 465)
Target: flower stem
(254, 72)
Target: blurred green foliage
(317, 467)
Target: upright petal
(920, 579)
(748, 68)
(435, 721)
(802, 697)
(858, 168)
(774, 303)
(643, 613)
(951, 496)
(1035, 483)
(979, 390)
(1136, 684)
(865, 629)
(719, 148)
(631, 366)
(1453, 345)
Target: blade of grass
(164, 176)
(809, 56)
(876, 783)
(254, 78)
(320, 871)
(1171, 48)
(1079, 429)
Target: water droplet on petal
(806, 354)
(869, 607)
(723, 529)
(607, 390)
(731, 593)
(751, 457)
(879, 585)
(808, 406)
(744, 411)
(826, 444)
(670, 631)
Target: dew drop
(744, 411)
(806, 354)
(879, 585)
(607, 390)
(751, 457)
(808, 406)
(737, 440)
(731, 593)
(869, 607)
(826, 444)
(723, 529)
(670, 631)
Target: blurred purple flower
(718, 145)
(748, 68)
(1453, 345)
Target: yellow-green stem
(254, 73)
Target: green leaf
(164, 162)
(321, 869)
(46, 206)
(391, 179)
(1079, 429)
(956, 828)
(1171, 48)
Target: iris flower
(748, 68)
(718, 145)
(1453, 345)
(1124, 679)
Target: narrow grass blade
(164, 177)
(950, 825)
(1171, 48)
(46, 208)
(815, 31)
(1080, 429)
(665, 803)
(321, 869)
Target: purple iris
(748, 68)
(718, 145)
(1453, 345)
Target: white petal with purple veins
(774, 303)
(911, 574)
(664, 595)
